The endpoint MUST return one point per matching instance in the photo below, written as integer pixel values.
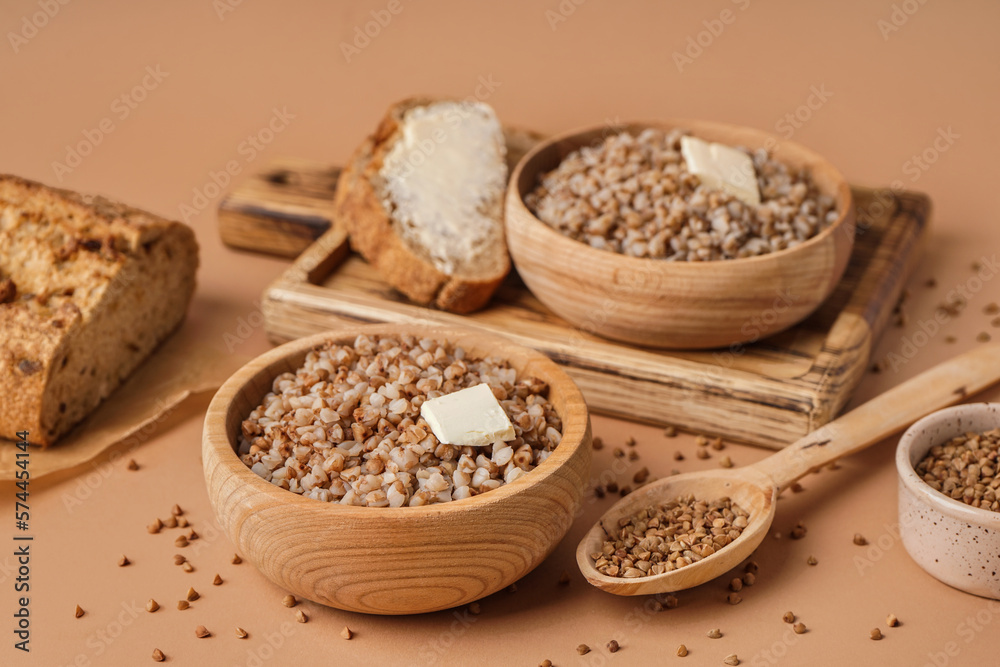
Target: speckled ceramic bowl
(954, 542)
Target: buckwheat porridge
(634, 194)
(346, 426)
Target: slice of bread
(88, 288)
(422, 200)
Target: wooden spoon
(755, 488)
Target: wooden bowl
(395, 560)
(664, 304)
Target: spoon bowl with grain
(755, 488)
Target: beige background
(886, 97)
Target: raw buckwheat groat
(346, 426)
(634, 195)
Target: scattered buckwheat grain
(123, 561)
(799, 531)
(79, 611)
(301, 617)
(217, 581)
(158, 655)
(892, 621)
(583, 649)
(182, 605)
(613, 646)
(201, 632)
(860, 540)
(241, 633)
(731, 659)
(176, 510)
(875, 634)
(346, 633)
(799, 628)
(734, 598)
(682, 651)
(236, 559)
(749, 579)
(670, 431)
(132, 465)
(714, 633)
(789, 617)
(152, 605)
(289, 601)
(812, 560)
(192, 595)
(736, 584)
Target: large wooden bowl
(677, 304)
(395, 560)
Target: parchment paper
(181, 367)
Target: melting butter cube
(468, 418)
(722, 168)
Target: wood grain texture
(678, 305)
(768, 393)
(395, 560)
(281, 210)
(755, 488)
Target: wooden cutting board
(770, 393)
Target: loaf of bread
(88, 288)
(422, 200)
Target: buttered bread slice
(88, 288)
(422, 200)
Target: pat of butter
(468, 418)
(722, 167)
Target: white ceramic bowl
(954, 542)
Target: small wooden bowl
(395, 560)
(664, 304)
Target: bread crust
(359, 209)
(135, 276)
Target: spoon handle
(941, 386)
